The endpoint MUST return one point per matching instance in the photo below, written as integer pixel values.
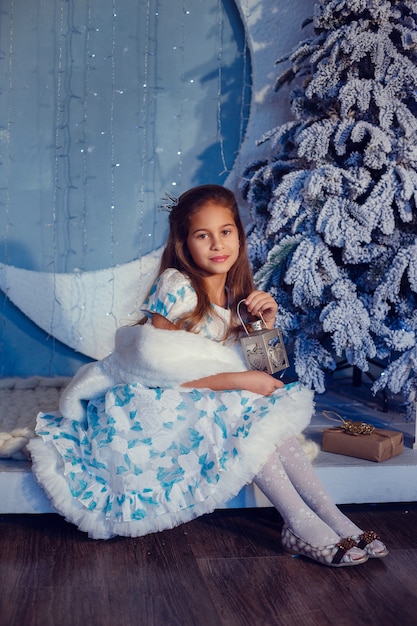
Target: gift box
(377, 445)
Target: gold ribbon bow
(352, 428)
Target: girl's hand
(262, 302)
(259, 382)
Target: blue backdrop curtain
(106, 105)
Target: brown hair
(239, 280)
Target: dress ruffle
(150, 459)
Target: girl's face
(213, 239)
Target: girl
(175, 425)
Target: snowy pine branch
(334, 203)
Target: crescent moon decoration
(82, 309)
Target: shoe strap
(344, 545)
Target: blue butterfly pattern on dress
(79, 452)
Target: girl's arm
(159, 321)
(252, 380)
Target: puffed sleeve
(171, 296)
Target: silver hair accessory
(263, 349)
(168, 203)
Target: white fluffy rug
(21, 399)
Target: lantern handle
(241, 320)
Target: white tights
(289, 481)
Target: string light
(85, 151)
(143, 126)
(6, 165)
(56, 186)
(219, 83)
(112, 147)
(245, 86)
(7, 138)
(111, 125)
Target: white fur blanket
(152, 357)
(143, 354)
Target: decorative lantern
(263, 349)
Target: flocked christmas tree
(334, 205)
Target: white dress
(149, 458)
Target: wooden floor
(227, 568)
